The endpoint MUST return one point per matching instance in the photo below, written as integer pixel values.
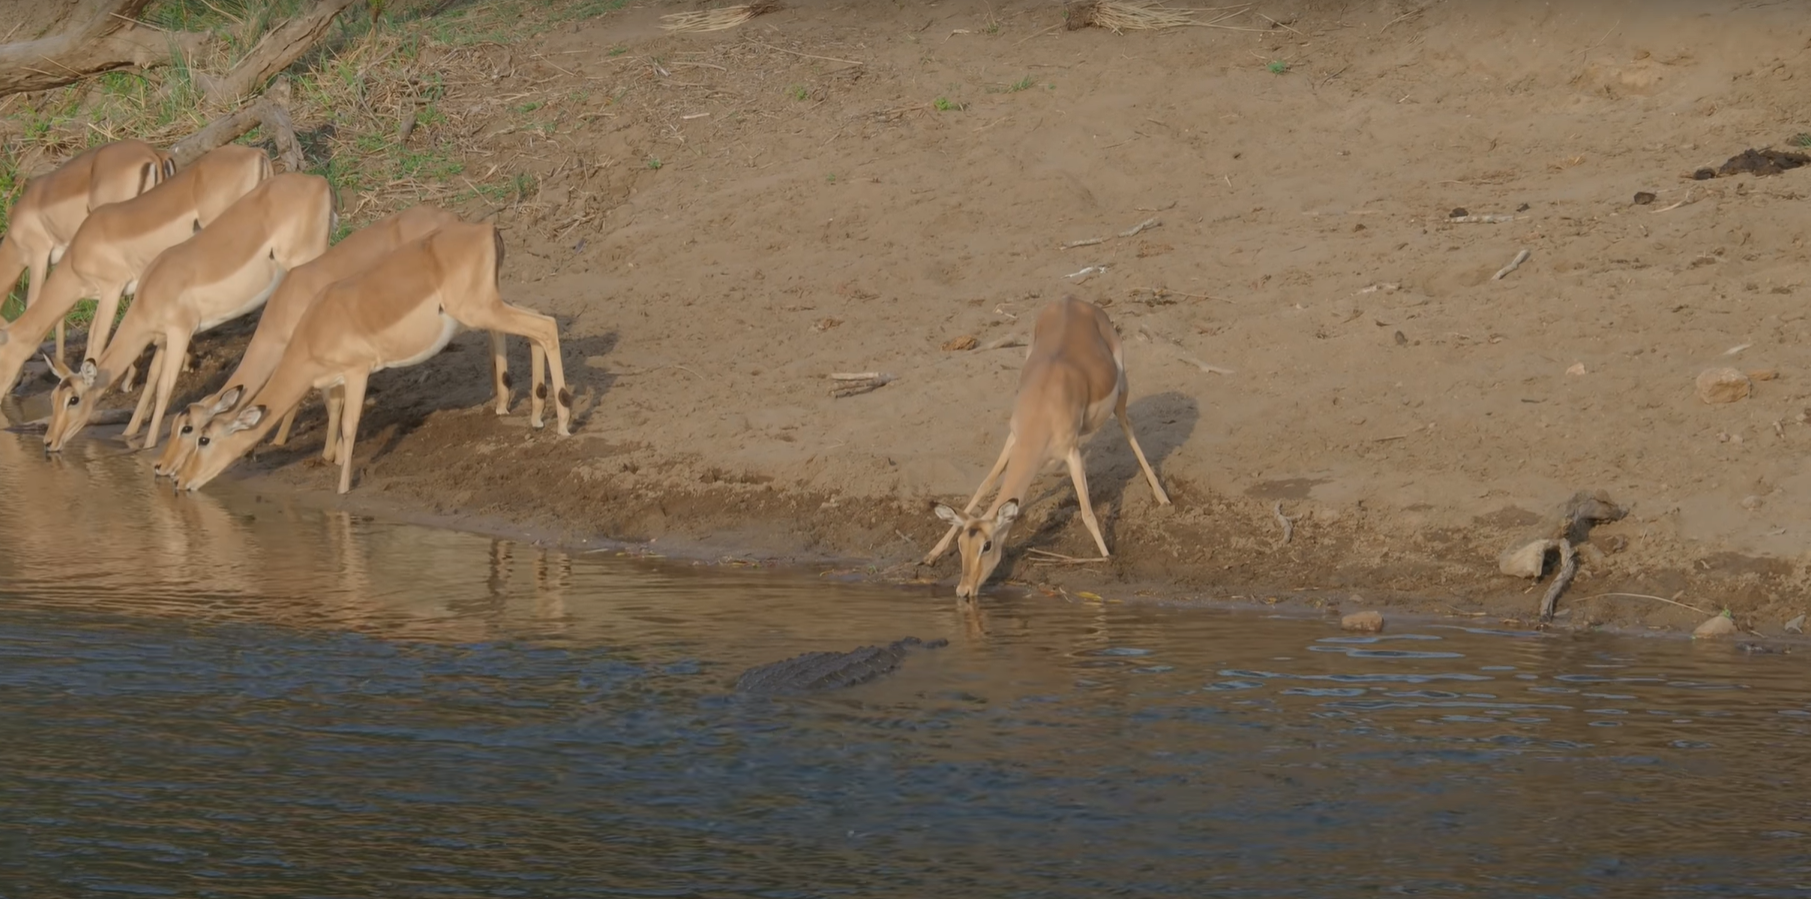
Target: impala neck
(1021, 469)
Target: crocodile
(830, 670)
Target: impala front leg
(144, 399)
(1079, 475)
(104, 311)
(986, 483)
(176, 345)
(499, 370)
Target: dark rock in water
(830, 670)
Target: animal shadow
(1163, 422)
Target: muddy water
(233, 695)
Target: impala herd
(223, 237)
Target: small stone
(1723, 385)
(1751, 503)
(1458, 213)
(1704, 174)
(1526, 561)
(1796, 625)
(1578, 368)
(1363, 622)
(1716, 626)
(968, 342)
(1644, 197)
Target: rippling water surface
(228, 696)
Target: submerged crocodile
(830, 670)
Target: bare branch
(101, 37)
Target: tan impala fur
(360, 250)
(1075, 372)
(225, 272)
(53, 207)
(117, 241)
(397, 313)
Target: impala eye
(202, 442)
(187, 429)
(987, 547)
(75, 400)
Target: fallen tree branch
(101, 37)
(268, 112)
(273, 54)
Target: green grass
(798, 92)
(1023, 84)
(1277, 67)
(945, 104)
(654, 163)
(1802, 139)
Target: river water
(228, 695)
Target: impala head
(185, 429)
(71, 403)
(979, 540)
(219, 444)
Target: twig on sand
(852, 383)
(853, 62)
(1051, 558)
(1151, 222)
(1670, 602)
(649, 371)
(1514, 264)
(1000, 343)
(1481, 219)
(1287, 522)
(1568, 568)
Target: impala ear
(89, 373)
(948, 514)
(58, 368)
(1008, 513)
(228, 400)
(247, 419)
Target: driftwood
(273, 54)
(268, 112)
(101, 36)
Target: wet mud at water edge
(218, 696)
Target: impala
(53, 207)
(1075, 372)
(300, 288)
(398, 313)
(226, 271)
(117, 241)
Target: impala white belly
(248, 306)
(449, 326)
(56, 253)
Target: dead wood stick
(1151, 222)
(1481, 219)
(1058, 558)
(273, 53)
(1514, 264)
(1568, 568)
(858, 376)
(1288, 523)
(1000, 343)
(102, 36)
(267, 113)
(852, 384)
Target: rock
(1363, 622)
(1578, 368)
(1717, 626)
(1644, 197)
(1796, 625)
(1526, 561)
(1723, 385)
(968, 342)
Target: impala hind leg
(1125, 424)
(334, 398)
(543, 334)
(1079, 475)
(499, 371)
(350, 406)
(986, 484)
